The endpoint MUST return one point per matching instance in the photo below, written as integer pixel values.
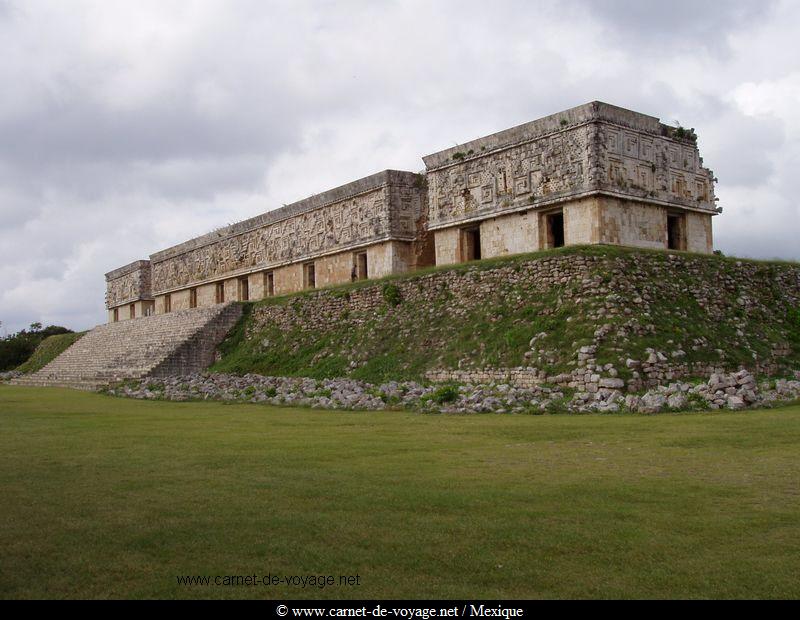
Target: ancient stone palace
(594, 174)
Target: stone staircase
(176, 343)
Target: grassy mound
(697, 309)
(48, 350)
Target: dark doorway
(244, 289)
(270, 284)
(675, 232)
(471, 244)
(193, 298)
(555, 230)
(220, 292)
(361, 266)
(310, 276)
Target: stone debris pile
(732, 391)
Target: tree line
(15, 349)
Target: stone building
(593, 174)
(129, 292)
(369, 228)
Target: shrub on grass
(445, 394)
(391, 294)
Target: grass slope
(428, 327)
(107, 497)
(48, 350)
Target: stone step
(179, 342)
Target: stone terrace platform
(154, 346)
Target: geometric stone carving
(592, 148)
(129, 284)
(384, 206)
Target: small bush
(391, 293)
(445, 394)
(271, 392)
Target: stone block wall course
(447, 244)
(698, 233)
(517, 233)
(611, 286)
(581, 225)
(634, 224)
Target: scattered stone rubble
(11, 374)
(731, 391)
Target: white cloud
(128, 127)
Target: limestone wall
(128, 284)
(123, 313)
(510, 234)
(583, 320)
(382, 259)
(384, 206)
(448, 246)
(590, 220)
(635, 224)
(592, 148)
(698, 233)
(581, 224)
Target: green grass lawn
(105, 497)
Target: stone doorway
(310, 275)
(676, 232)
(555, 229)
(360, 266)
(470, 244)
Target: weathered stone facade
(594, 174)
(129, 291)
(383, 207)
(609, 174)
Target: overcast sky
(126, 127)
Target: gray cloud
(127, 127)
(661, 28)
